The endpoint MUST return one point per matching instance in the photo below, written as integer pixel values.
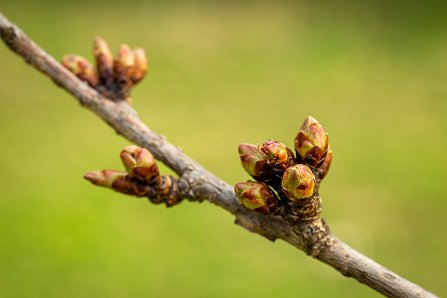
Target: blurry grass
(222, 74)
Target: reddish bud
(253, 160)
(123, 64)
(256, 196)
(122, 69)
(140, 163)
(298, 182)
(104, 60)
(278, 155)
(311, 142)
(118, 181)
(140, 66)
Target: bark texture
(313, 237)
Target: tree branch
(312, 237)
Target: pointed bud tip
(104, 178)
(139, 68)
(246, 148)
(98, 39)
(274, 149)
(309, 121)
(100, 47)
(93, 176)
(125, 56)
(311, 142)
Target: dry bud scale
(286, 185)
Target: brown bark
(312, 237)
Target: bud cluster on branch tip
(114, 78)
(256, 196)
(142, 178)
(286, 185)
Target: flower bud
(253, 161)
(118, 181)
(140, 163)
(104, 60)
(278, 155)
(256, 196)
(324, 168)
(140, 67)
(123, 65)
(81, 68)
(298, 182)
(311, 142)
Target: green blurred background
(221, 74)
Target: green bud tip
(311, 142)
(104, 178)
(252, 159)
(298, 182)
(256, 196)
(139, 163)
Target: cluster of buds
(286, 185)
(113, 78)
(141, 178)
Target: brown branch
(312, 237)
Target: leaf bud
(140, 67)
(256, 196)
(298, 182)
(118, 181)
(311, 142)
(278, 155)
(81, 68)
(104, 60)
(253, 161)
(140, 163)
(123, 65)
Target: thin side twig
(202, 185)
